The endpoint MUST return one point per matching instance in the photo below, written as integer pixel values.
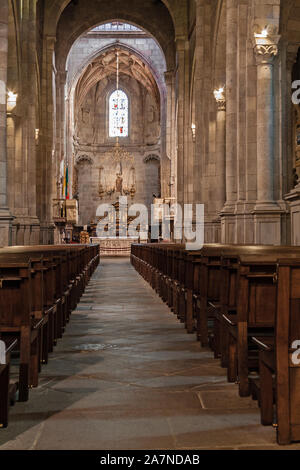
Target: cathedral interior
(117, 342)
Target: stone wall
(142, 68)
(93, 147)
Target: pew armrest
(230, 320)
(264, 343)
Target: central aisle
(126, 375)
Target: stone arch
(153, 164)
(84, 159)
(55, 8)
(155, 19)
(93, 57)
(152, 157)
(106, 50)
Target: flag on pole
(67, 183)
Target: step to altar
(114, 246)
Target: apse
(115, 103)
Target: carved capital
(265, 43)
(221, 105)
(81, 159)
(265, 53)
(169, 76)
(151, 158)
(50, 41)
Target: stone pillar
(231, 104)
(63, 137)
(5, 216)
(33, 222)
(47, 143)
(291, 57)
(220, 155)
(293, 196)
(220, 150)
(182, 106)
(199, 101)
(265, 123)
(267, 213)
(170, 131)
(228, 220)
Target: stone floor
(126, 375)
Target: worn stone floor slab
(126, 375)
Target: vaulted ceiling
(106, 66)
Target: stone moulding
(151, 158)
(84, 159)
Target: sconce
(37, 134)
(11, 101)
(220, 98)
(219, 94)
(262, 34)
(193, 127)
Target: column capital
(181, 42)
(265, 43)
(62, 76)
(265, 53)
(51, 40)
(221, 105)
(169, 75)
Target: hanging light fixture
(119, 154)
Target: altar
(118, 244)
(114, 246)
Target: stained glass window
(118, 114)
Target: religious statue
(119, 184)
(295, 177)
(100, 189)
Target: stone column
(47, 142)
(199, 101)
(170, 131)
(231, 104)
(5, 216)
(34, 224)
(293, 195)
(265, 123)
(291, 57)
(267, 213)
(220, 150)
(181, 121)
(228, 219)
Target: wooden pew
(254, 295)
(278, 356)
(7, 390)
(17, 319)
(74, 265)
(206, 286)
(255, 310)
(29, 298)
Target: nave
(126, 375)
